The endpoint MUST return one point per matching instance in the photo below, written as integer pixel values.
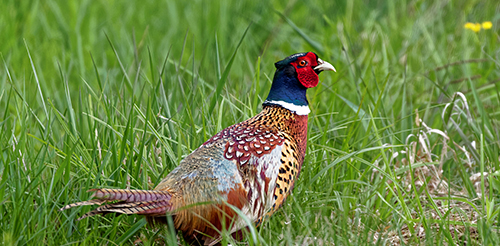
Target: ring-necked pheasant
(252, 165)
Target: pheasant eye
(302, 63)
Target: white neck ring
(298, 109)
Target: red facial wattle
(307, 77)
(305, 72)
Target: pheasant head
(294, 75)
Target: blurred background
(115, 93)
(368, 39)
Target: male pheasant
(251, 166)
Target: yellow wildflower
(476, 27)
(487, 25)
(468, 25)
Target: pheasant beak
(322, 66)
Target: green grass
(116, 93)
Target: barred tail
(146, 202)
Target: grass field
(403, 145)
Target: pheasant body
(251, 166)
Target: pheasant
(251, 166)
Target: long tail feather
(146, 202)
(84, 203)
(130, 195)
